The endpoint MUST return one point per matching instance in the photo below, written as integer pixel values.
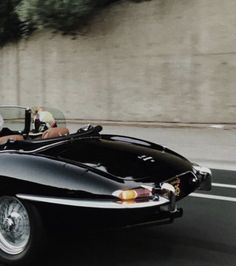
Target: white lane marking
(223, 185)
(207, 196)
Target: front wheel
(20, 231)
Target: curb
(224, 126)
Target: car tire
(21, 231)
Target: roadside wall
(159, 60)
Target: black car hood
(126, 160)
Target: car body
(98, 180)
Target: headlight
(134, 194)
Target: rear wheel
(20, 231)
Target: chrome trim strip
(36, 150)
(101, 204)
(15, 106)
(202, 169)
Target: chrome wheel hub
(8, 224)
(14, 226)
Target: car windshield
(13, 117)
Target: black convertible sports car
(48, 175)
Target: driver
(43, 120)
(45, 126)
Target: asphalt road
(205, 235)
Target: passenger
(4, 131)
(7, 135)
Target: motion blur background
(158, 61)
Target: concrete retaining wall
(159, 60)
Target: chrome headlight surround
(205, 176)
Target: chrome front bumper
(205, 176)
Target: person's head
(43, 120)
